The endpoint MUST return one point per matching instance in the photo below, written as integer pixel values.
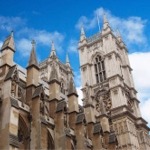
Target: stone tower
(109, 95)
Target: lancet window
(99, 66)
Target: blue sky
(60, 21)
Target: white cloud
(141, 74)
(146, 110)
(131, 28)
(42, 37)
(11, 23)
(24, 47)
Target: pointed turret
(106, 25)
(119, 37)
(53, 50)
(9, 43)
(54, 74)
(7, 50)
(72, 89)
(72, 101)
(33, 59)
(82, 35)
(32, 68)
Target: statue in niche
(13, 88)
(129, 101)
(21, 95)
(43, 107)
(103, 104)
(87, 93)
(66, 125)
(14, 84)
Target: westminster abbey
(39, 105)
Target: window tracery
(99, 67)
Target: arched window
(23, 134)
(99, 66)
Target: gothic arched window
(99, 66)
(23, 134)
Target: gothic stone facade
(39, 105)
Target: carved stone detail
(103, 101)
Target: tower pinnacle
(105, 22)
(53, 50)
(82, 35)
(67, 60)
(33, 59)
(9, 43)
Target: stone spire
(72, 89)
(82, 35)
(9, 43)
(33, 59)
(53, 50)
(67, 61)
(54, 74)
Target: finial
(52, 46)
(67, 60)
(33, 43)
(53, 50)
(82, 30)
(105, 18)
(33, 59)
(82, 36)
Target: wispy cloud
(24, 47)
(11, 23)
(42, 37)
(72, 47)
(24, 35)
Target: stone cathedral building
(39, 105)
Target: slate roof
(97, 128)
(112, 138)
(10, 73)
(14, 140)
(61, 106)
(80, 118)
(37, 91)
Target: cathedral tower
(108, 88)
